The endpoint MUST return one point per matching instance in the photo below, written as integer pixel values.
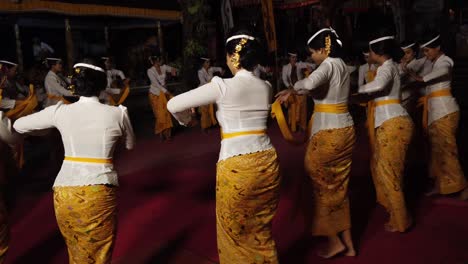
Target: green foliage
(194, 48)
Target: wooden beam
(69, 44)
(87, 10)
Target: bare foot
(432, 192)
(332, 250)
(463, 195)
(350, 252)
(390, 228)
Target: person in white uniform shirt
(390, 131)
(55, 84)
(116, 81)
(330, 146)
(205, 74)
(6, 67)
(8, 141)
(86, 186)
(409, 62)
(260, 70)
(112, 73)
(297, 104)
(441, 116)
(366, 71)
(248, 180)
(159, 95)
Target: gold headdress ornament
(327, 45)
(235, 59)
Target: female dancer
(248, 181)
(440, 120)
(85, 188)
(158, 96)
(205, 74)
(390, 131)
(328, 154)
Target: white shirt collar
(243, 72)
(85, 99)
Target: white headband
(409, 46)
(105, 58)
(430, 41)
(238, 37)
(292, 54)
(205, 59)
(365, 53)
(323, 30)
(8, 62)
(90, 66)
(54, 59)
(380, 39)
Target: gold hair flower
(327, 45)
(235, 59)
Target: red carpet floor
(166, 210)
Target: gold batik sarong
(162, 116)
(302, 110)
(444, 164)
(297, 112)
(328, 164)
(87, 219)
(247, 195)
(207, 116)
(392, 139)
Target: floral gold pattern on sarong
(162, 116)
(328, 164)
(247, 195)
(87, 219)
(444, 164)
(392, 139)
(207, 118)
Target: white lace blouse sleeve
(440, 70)
(203, 95)
(383, 77)
(317, 78)
(129, 135)
(7, 134)
(37, 121)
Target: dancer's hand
(283, 96)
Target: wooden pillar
(69, 43)
(160, 39)
(106, 35)
(19, 51)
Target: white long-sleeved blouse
(243, 104)
(332, 73)
(89, 129)
(387, 84)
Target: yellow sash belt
(56, 97)
(277, 112)
(88, 160)
(424, 101)
(371, 105)
(122, 97)
(242, 133)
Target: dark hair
(430, 36)
(249, 56)
(50, 63)
(409, 42)
(388, 47)
(87, 81)
(319, 42)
